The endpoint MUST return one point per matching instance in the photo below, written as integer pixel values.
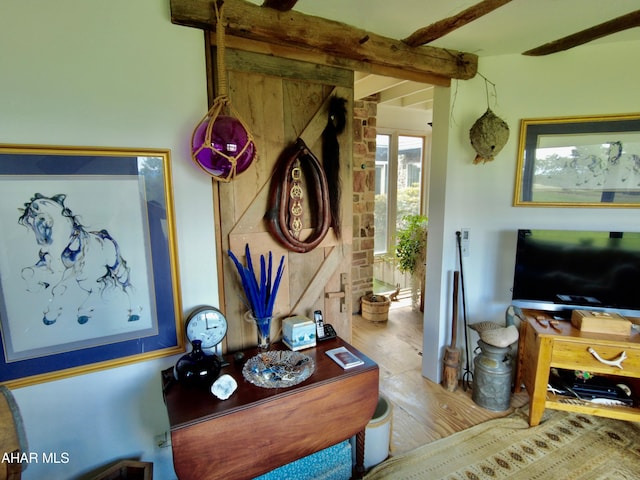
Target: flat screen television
(563, 270)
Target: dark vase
(197, 369)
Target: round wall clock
(208, 325)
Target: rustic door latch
(342, 293)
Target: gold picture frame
(590, 161)
(88, 261)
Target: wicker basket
(375, 308)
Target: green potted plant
(411, 252)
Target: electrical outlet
(163, 440)
(465, 240)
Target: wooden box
(600, 322)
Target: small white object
(378, 434)
(625, 389)
(500, 337)
(465, 241)
(607, 401)
(224, 386)
(298, 332)
(484, 326)
(616, 362)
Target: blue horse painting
(71, 259)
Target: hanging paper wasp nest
(488, 135)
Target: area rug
(564, 446)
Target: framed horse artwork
(88, 268)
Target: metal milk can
(492, 377)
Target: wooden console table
(259, 429)
(543, 346)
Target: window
(381, 213)
(399, 160)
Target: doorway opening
(398, 200)
(404, 112)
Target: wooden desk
(259, 429)
(541, 347)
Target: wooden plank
(314, 290)
(318, 122)
(269, 65)
(262, 111)
(618, 24)
(448, 25)
(308, 98)
(316, 34)
(346, 167)
(337, 311)
(277, 109)
(324, 58)
(238, 239)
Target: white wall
(405, 120)
(116, 73)
(587, 80)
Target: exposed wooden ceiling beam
(618, 24)
(447, 25)
(408, 93)
(294, 29)
(281, 5)
(393, 92)
(371, 84)
(323, 58)
(415, 100)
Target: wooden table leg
(538, 395)
(524, 331)
(359, 467)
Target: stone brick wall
(364, 158)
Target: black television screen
(561, 270)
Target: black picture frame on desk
(88, 263)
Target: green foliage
(408, 202)
(411, 243)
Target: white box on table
(298, 332)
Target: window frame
(392, 185)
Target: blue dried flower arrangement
(261, 294)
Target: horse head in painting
(71, 259)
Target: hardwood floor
(423, 411)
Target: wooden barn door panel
(277, 99)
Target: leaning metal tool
(467, 376)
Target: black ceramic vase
(197, 369)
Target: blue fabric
(333, 463)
